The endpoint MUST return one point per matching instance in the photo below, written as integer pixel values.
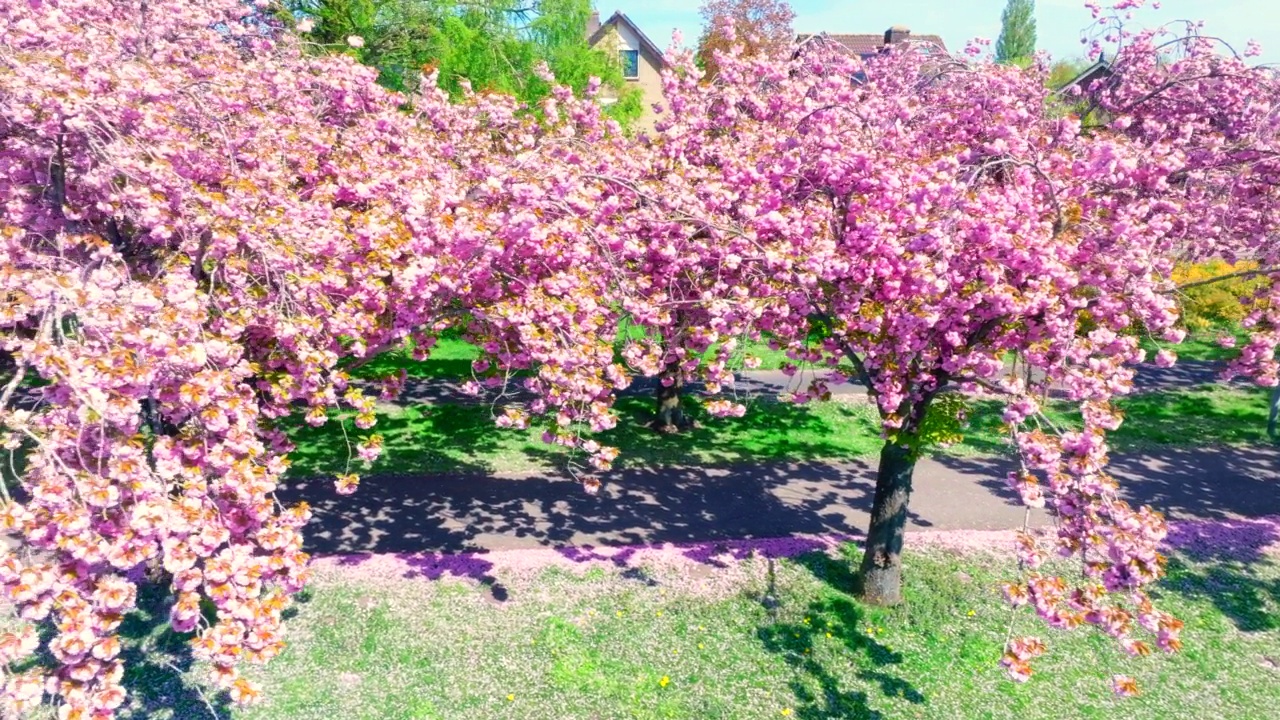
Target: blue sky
(1059, 22)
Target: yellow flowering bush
(1218, 304)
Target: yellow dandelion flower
(786, 711)
(619, 613)
(700, 646)
(664, 681)
(511, 697)
(972, 613)
(659, 613)
(828, 634)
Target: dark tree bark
(881, 571)
(670, 416)
(1275, 411)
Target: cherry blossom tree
(964, 236)
(705, 282)
(198, 222)
(201, 224)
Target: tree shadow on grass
(158, 666)
(834, 618)
(1222, 563)
(1204, 415)
(416, 439)
(449, 437)
(1250, 601)
(1159, 417)
(770, 430)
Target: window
(630, 63)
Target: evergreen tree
(1017, 41)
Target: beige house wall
(619, 37)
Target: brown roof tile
(870, 43)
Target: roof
(1096, 71)
(646, 45)
(869, 43)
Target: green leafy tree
(1064, 71)
(1017, 42)
(492, 44)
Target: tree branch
(1228, 276)
(19, 372)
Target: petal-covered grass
(679, 636)
(427, 438)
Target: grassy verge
(754, 639)
(1202, 347)
(447, 437)
(450, 438)
(1205, 415)
(451, 358)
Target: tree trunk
(670, 417)
(881, 571)
(1275, 411)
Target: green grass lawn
(1205, 415)
(449, 438)
(451, 358)
(755, 639)
(1202, 347)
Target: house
(641, 59)
(868, 45)
(1079, 95)
(1100, 70)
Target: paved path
(453, 513)
(773, 382)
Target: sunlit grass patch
(612, 642)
